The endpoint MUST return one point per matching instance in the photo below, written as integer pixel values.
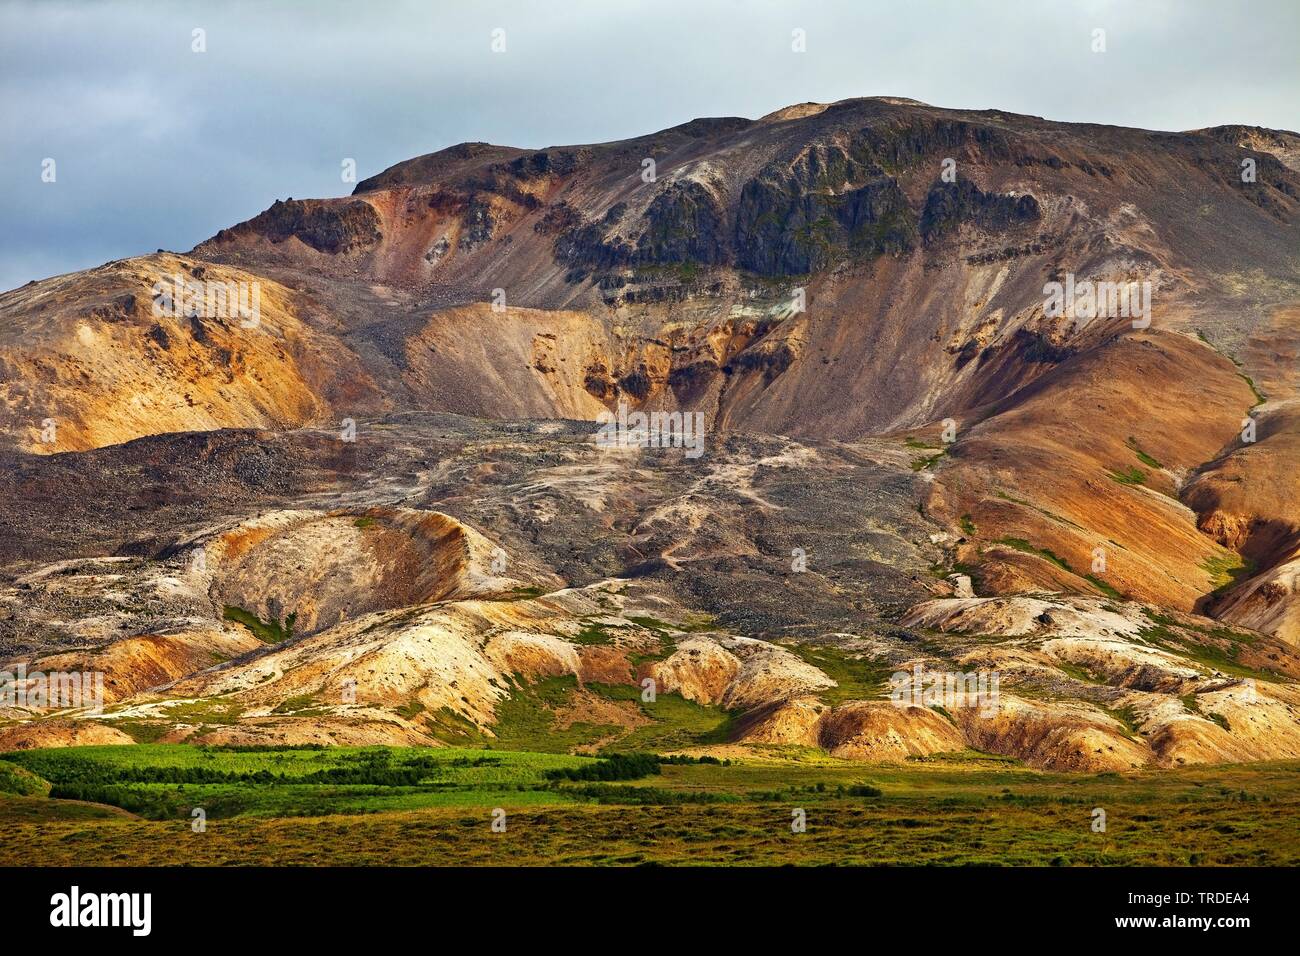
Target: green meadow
(435, 806)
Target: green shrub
(23, 783)
(613, 767)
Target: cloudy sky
(156, 145)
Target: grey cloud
(160, 147)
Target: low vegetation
(268, 632)
(1143, 456)
(1227, 570)
(1020, 544)
(1131, 475)
(421, 806)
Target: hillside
(975, 481)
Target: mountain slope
(854, 296)
(924, 297)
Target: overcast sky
(156, 145)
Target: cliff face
(325, 227)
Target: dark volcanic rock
(685, 223)
(478, 224)
(948, 205)
(324, 227)
(825, 206)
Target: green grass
(525, 592)
(527, 719)
(142, 732)
(287, 807)
(1020, 544)
(207, 713)
(1127, 718)
(855, 678)
(1227, 570)
(1203, 646)
(165, 781)
(33, 812)
(696, 621)
(652, 623)
(452, 728)
(1260, 398)
(1193, 706)
(411, 709)
(301, 704)
(268, 632)
(677, 722)
(532, 719)
(19, 781)
(1220, 720)
(921, 464)
(967, 526)
(692, 623)
(1042, 511)
(1103, 587)
(967, 757)
(1078, 672)
(1143, 456)
(666, 649)
(592, 633)
(1132, 475)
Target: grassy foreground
(410, 806)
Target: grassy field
(409, 806)
(528, 720)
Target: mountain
(858, 300)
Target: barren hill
(854, 295)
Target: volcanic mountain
(911, 457)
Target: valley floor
(99, 806)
